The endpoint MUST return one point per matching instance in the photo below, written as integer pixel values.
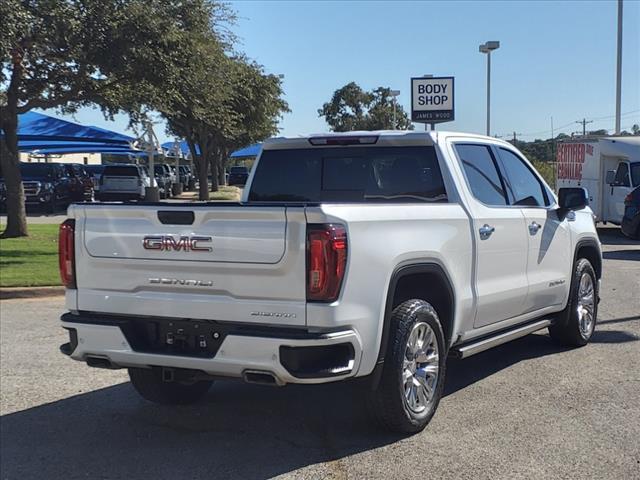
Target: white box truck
(609, 168)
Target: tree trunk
(214, 171)
(203, 168)
(221, 164)
(10, 163)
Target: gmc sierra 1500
(366, 254)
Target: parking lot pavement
(527, 409)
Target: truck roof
(384, 138)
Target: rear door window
(356, 174)
(481, 170)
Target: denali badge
(168, 243)
(273, 314)
(180, 281)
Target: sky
(556, 59)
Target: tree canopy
(352, 108)
(173, 57)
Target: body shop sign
(432, 99)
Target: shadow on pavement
(614, 236)
(239, 431)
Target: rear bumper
(291, 355)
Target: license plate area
(190, 338)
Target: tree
(118, 55)
(352, 108)
(228, 102)
(635, 129)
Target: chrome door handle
(534, 227)
(486, 231)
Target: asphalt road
(528, 409)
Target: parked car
(45, 184)
(122, 182)
(163, 179)
(631, 218)
(238, 176)
(95, 171)
(81, 183)
(185, 173)
(374, 255)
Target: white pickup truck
(367, 254)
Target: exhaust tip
(101, 362)
(261, 377)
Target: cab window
(522, 186)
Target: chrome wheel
(420, 368)
(586, 305)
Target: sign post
(432, 100)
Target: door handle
(486, 231)
(534, 227)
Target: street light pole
(394, 94)
(619, 69)
(487, 48)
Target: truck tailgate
(228, 263)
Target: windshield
(635, 174)
(36, 170)
(371, 174)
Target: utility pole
(584, 122)
(619, 69)
(515, 135)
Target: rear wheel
(575, 325)
(414, 368)
(149, 383)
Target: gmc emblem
(168, 243)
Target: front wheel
(413, 374)
(575, 325)
(149, 383)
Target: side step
(466, 350)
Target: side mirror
(611, 177)
(572, 198)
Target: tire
(397, 405)
(574, 326)
(149, 384)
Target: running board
(486, 343)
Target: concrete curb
(8, 293)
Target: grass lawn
(30, 261)
(230, 194)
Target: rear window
(239, 170)
(121, 171)
(356, 174)
(94, 168)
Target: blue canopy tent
(250, 151)
(45, 135)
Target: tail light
(66, 253)
(628, 199)
(326, 261)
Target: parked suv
(80, 182)
(186, 176)
(122, 182)
(238, 176)
(45, 184)
(374, 255)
